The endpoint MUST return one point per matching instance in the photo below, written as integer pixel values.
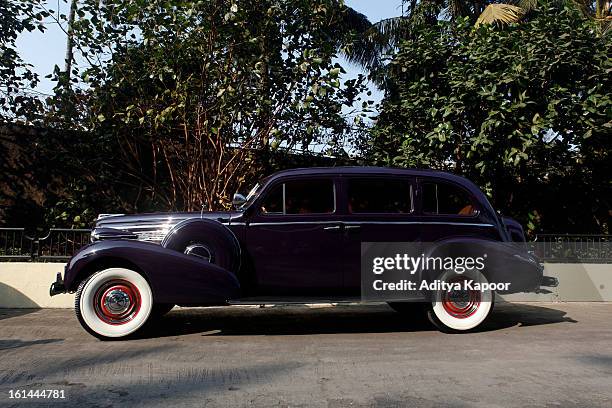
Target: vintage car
(295, 238)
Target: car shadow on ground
(17, 343)
(305, 320)
(8, 313)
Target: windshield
(253, 194)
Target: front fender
(174, 277)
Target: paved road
(539, 355)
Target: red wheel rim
(117, 302)
(461, 303)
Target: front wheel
(113, 303)
(454, 311)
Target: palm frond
(370, 45)
(391, 29)
(500, 13)
(457, 8)
(353, 43)
(527, 5)
(355, 20)
(605, 26)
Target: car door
(449, 210)
(294, 238)
(379, 208)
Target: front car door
(293, 238)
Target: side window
(446, 199)
(273, 203)
(300, 197)
(379, 195)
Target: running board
(291, 300)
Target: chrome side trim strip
(255, 224)
(470, 224)
(167, 226)
(128, 227)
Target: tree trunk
(70, 43)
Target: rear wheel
(113, 303)
(454, 311)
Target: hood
(152, 226)
(151, 219)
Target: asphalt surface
(541, 355)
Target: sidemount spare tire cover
(214, 236)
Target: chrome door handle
(352, 227)
(334, 228)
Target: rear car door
(447, 210)
(294, 238)
(379, 208)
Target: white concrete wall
(577, 283)
(26, 285)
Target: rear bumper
(58, 286)
(549, 282)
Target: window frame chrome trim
(412, 183)
(284, 213)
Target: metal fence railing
(57, 245)
(573, 248)
(61, 244)
(15, 244)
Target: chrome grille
(152, 235)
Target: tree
(598, 10)
(377, 41)
(519, 109)
(16, 76)
(187, 96)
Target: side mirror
(238, 200)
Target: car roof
(368, 170)
(372, 170)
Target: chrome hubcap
(461, 303)
(117, 301)
(201, 251)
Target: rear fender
(514, 228)
(504, 262)
(174, 277)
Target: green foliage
(524, 110)
(72, 211)
(182, 93)
(16, 76)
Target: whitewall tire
(459, 311)
(113, 303)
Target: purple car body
(297, 236)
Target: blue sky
(44, 51)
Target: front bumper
(57, 287)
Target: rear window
(446, 199)
(379, 195)
(300, 197)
